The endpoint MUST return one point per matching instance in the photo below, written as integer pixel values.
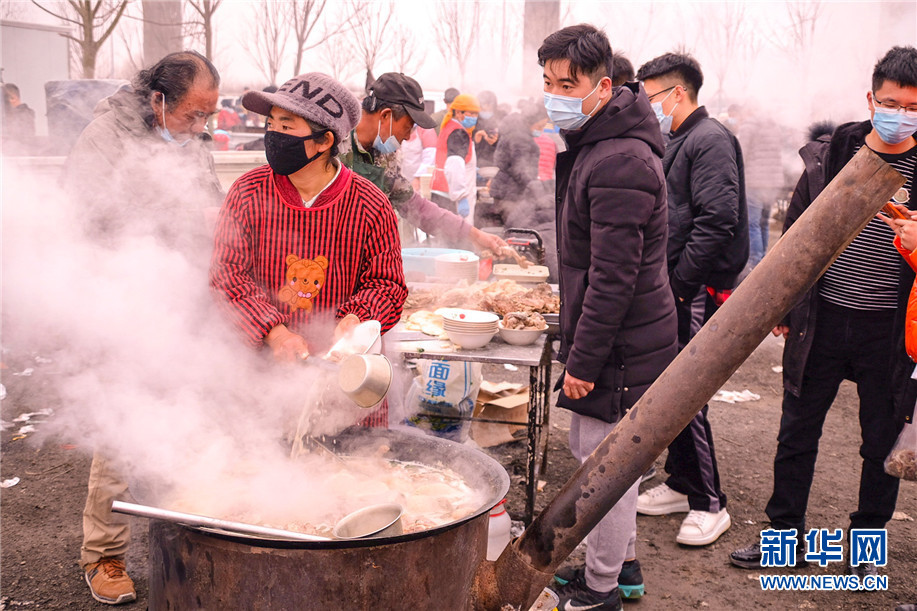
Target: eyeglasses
(893, 105)
(658, 93)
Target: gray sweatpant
(614, 538)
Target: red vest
(439, 183)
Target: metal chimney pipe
(796, 261)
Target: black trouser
(691, 463)
(848, 344)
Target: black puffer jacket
(517, 158)
(824, 159)
(708, 216)
(617, 316)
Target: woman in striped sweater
(304, 240)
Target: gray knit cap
(313, 96)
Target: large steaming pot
(433, 569)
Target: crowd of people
(652, 208)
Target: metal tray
(553, 321)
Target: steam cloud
(145, 369)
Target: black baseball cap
(396, 88)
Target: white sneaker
(703, 527)
(662, 500)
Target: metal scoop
(372, 521)
(190, 519)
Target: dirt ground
(41, 532)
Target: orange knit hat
(463, 101)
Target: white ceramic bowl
(470, 341)
(460, 315)
(469, 327)
(520, 337)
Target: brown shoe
(109, 583)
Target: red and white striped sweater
(278, 262)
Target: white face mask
(665, 120)
(391, 143)
(566, 112)
(164, 131)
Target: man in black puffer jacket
(708, 248)
(617, 316)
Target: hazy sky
(747, 47)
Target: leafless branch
(338, 54)
(306, 15)
(456, 30)
(405, 52)
(268, 40)
(795, 34)
(95, 21)
(202, 22)
(370, 32)
(10, 9)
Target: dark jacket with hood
(824, 158)
(517, 159)
(617, 315)
(708, 217)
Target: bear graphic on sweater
(304, 279)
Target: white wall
(30, 55)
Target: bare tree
(538, 21)
(637, 31)
(268, 40)
(794, 35)
(95, 20)
(162, 29)
(507, 28)
(405, 53)
(797, 33)
(305, 16)
(370, 33)
(130, 42)
(726, 30)
(338, 54)
(14, 11)
(201, 22)
(456, 30)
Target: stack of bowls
(457, 266)
(469, 328)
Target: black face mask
(286, 154)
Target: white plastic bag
(444, 388)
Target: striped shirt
(865, 275)
(347, 243)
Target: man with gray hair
(140, 169)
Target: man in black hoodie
(617, 320)
(707, 249)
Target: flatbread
(427, 323)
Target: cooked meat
(524, 320)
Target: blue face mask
(486, 114)
(164, 131)
(894, 127)
(566, 112)
(391, 143)
(469, 122)
(665, 120)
